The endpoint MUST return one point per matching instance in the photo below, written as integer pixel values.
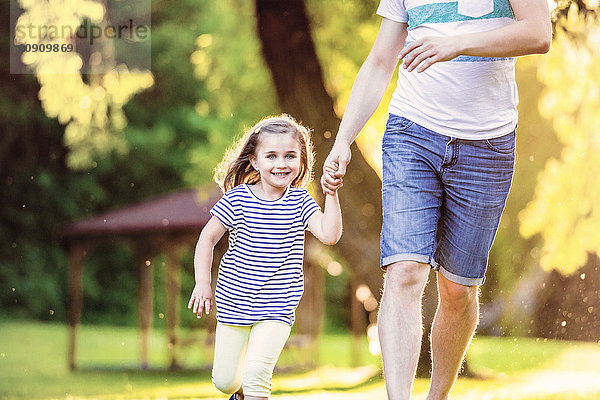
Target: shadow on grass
(376, 379)
(203, 373)
(152, 371)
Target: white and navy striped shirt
(466, 97)
(260, 276)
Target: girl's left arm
(327, 225)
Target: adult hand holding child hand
(334, 168)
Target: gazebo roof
(183, 210)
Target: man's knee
(406, 277)
(456, 296)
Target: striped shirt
(260, 275)
(467, 97)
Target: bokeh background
(77, 145)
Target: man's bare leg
(400, 325)
(453, 327)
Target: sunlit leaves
(565, 209)
(227, 60)
(91, 111)
(344, 33)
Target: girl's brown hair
(235, 168)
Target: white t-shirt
(467, 97)
(260, 276)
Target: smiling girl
(266, 209)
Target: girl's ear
(252, 160)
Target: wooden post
(145, 306)
(173, 287)
(77, 255)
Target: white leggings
(246, 355)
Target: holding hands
(334, 169)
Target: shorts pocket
(504, 144)
(395, 127)
(398, 123)
(475, 8)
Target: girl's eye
(271, 156)
(290, 156)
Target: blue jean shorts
(443, 198)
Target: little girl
(266, 209)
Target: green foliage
(564, 210)
(92, 110)
(168, 130)
(171, 135)
(337, 295)
(227, 58)
(512, 257)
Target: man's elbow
(542, 39)
(543, 44)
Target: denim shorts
(443, 198)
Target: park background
(74, 146)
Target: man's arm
(531, 33)
(368, 90)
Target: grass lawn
(33, 366)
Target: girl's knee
(226, 384)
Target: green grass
(33, 366)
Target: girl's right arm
(202, 294)
(327, 225)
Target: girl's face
(277, 159)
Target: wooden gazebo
(164, 225)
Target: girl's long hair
(235, 168)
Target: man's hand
(423, 53)
(337, 160)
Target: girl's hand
(201, 299)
